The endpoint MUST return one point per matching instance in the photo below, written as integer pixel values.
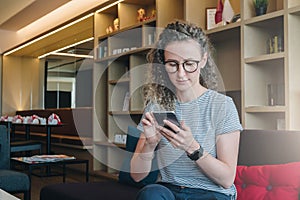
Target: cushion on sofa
(274, 182)
(133, 135)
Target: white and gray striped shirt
(209, 115)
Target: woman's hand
(180, 138)
(151, 130)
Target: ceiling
(16, 14)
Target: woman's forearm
(141, 162)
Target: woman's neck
(190, 95)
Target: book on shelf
(44, 158)
(126, 102)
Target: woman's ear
(203, 60)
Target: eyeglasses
(189, 66)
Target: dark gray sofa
(257, 147)
(11, 181)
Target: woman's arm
(222, 169)
(141, 161)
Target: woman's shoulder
(218, 96)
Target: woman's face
(187, 52)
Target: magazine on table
(44, 158)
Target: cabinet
(260, 76)
(267, 81)
(120, 72)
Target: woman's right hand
(151, 132)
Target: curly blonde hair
(159, 88)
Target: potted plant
(260, 6)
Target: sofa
(11, 181)
(268, 168)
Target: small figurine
(116, 24)
(153, 13)
(109, 29)
(141, 15)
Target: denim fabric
(165, 191)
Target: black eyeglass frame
(183, 65)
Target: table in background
(48, 127)
(62, 163)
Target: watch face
(196, 154)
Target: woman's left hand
(180, 138)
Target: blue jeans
(165, 191)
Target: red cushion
(270, 182)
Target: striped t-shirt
(209, 115)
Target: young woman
(198, 159)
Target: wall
(22, 84)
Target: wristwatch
(196, 154)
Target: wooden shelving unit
(120, 72)
(246, 64)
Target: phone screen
(168, 115)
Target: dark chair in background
(11, 181)
(21, 145)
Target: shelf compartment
(273, 7)
(118, 69)
(265, 121)
(134, 51)
(260, 74)
(293, 4)
(100, 157)
(228, 46)
(295, 10)
(259, 37)
(118, 124)
(115, 157)
(117, 94)
(105, 19)
(224, 29)
(128, 11)
(138, 73)
(195, 11)
(149, 34)
(125, 41)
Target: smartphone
(168, 115)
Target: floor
(37, 183)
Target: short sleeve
(228, 119)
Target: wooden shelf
(294, 10)
(224, 28)
(124, 80)
(265, 109)
(139, 112)
(266, 57)
(110, 144)
(130, 52)
(263, 18)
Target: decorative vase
(260, 11)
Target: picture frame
(210, 18)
